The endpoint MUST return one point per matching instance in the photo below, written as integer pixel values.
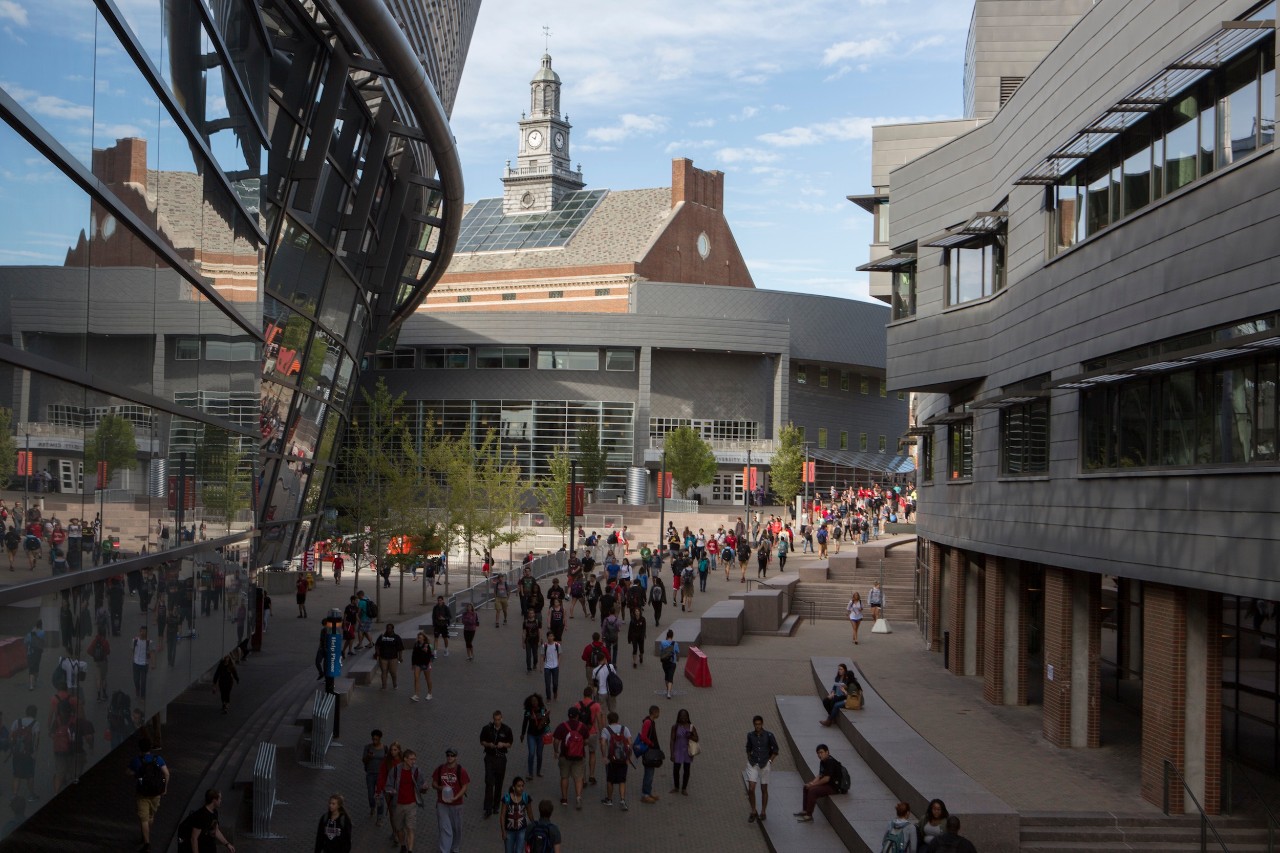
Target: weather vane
(546, 39)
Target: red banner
(665, 485)
(749, 476)
(26, 463)
(811, 472)
(574, 498)
(189, 499)
(103, 479)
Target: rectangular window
(801, 430)
(569, 359)
(904, 292)
(465, 297)
(902, 395)
(884, 387)
(822, 377)
(555, 294)
(973, 273)
(822, 438)
(881, 224)
(864, 385)
(186, 349)
(1024, 439)
(620, 359)
(444, 358)
(801, 377)
(218, 350)
(844, 380)
(960, 456)
(602, 291)
(926, 458)
(508, 297)
(884, 443)
(844, 440)
(1180, 143)
(862, 442)
(499, 358)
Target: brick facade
(956, 565)
(937, 555)
(1056, 720)
(993, 637)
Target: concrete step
(1047, 832)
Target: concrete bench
(783, 832)
(723, 623)
(814, 571)
(360, 668)
(914, 770)
(688, 632)
(764, 608)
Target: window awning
(1169, 362)
(1014, 398)
(947, 418)
(975, 231)
(867, 460)
(919, 431)
(868, 201)
(889, 263)
(1230, 40)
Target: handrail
(1231, 768)
(1205, 824)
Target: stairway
(899, 585)
(1070, 832)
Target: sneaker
(805, 818)
(564, 802)
(413, 698)
(606, 801)
(579, 805)
(623, 803)
(428, 697)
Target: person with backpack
(900, 834)
(686, 587)
(822, 542)
(611, 630)
(615, 744)
(368, 612)
(551, 666)
(543, 835)
(24, 737)
(514, 816)
(569, 743)
(594, 654)
(744, 557)
(33, 644)
(669, 656)
(531, 638)
(636, 630)
(591, 714)
(650, 753)
(151, 782)
(952, 841)
(594, 593)
(501, 595)
(608, 684)
(143, 660)
(657, 598)
(823, 784)
(64, 729)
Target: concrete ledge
(723, 623)
(765, 609)
(915, 771)
(846, 562)
(781, 831)
(360, 667)
(877, 549)
(688, 632)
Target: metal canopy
(889, 263)
(1230, 40)
(867, 460)
(947, 418)
(1169, 362)
(979, 226)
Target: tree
(483, 493)
(551, 490)
(593, 457)
(8, 447)
(221, 465)
(689, 459)
(786, 472)
(112, 442)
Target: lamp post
(746, 491)
(662, 500)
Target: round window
(704, 245)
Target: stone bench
(764, 608)
(688, 632)
(914, 770)
(360, 667)
(723, 623)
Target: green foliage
(483, 492)
(551, 490)
(113, 442)
(222, 466)
(786, 472)
(689, 459)
(8, 447)
(593, 457)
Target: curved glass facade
(208, 210)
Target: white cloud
(679, 145)
(847, 129)
(47, 106)
(13, 11)
(745, 113)
(926, 43)
(868, 48)
(629, 124)
(746, 155)
(703, 122)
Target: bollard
(264, 791)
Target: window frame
(448, 356)
(960, 444)
(568, 358)
(822, 438)
(1031, 444)
(192, 345)
(609, 354)
(508, 357)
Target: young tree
(221, 465)
(551, 490)
(593, 456)
(689, 459)
(112, 442)
(484, 493)
(8, 448)
(786, 472)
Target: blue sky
(781, 97)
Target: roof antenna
(546, 39)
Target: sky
(781, 97)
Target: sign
(26, 463)
(574, 498)
(103, 479)
(333, 653)
(810, 472)
(308, 560)
(749, 477)
(189, 497)
(665, 485)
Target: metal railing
(264, 791)
(1232, 769)
(764, 445)
(321, 729)
(1206, 826)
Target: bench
(723, 623)
(688, 632)
(783, 832)
(914, 770)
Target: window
(844, 440)
(444, 358)
(862, 442)
(884, 387)
(216, 350)
(903, 292)
(496, 358)
(620, 359)
(975, 272)
(1221, 119)
(602, 291)
(466, 297)
(884, 444)
(401, 359)
(555, 294)
(864, 385)
(822, 438)
(186, 349)
(881, 223)
(960, 457)
(508, 297)
(801, 377)
(844, 380)
(801, 430)
(926, 458)
(708, 430)
(822, 377)
(569, 359)
(1024, 439)
(902, 395)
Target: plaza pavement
(1000, 747)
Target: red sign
(749, 476)
(574, 498)
(103, 479)
(26, 463)
(811, 472)
(189, 499)
(665, 485)
(308, 560)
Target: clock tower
(541, 176)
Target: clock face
(559, 140)
(535, 139)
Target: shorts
(366, 625)
(757, 774)
(301, 598)
(615, 773)
(570, 769)
(147, 808)
(593, 743)
(423, 667)
(401, 814)
(441, 632)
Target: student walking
(514, 817)
(496, 738)
(636, 630)
(762, 748)
(333, 834)
(420, 659)
(551, 667)
(450, 782)
(657, 598)
(374, 753)
(855, 614)
(470, 622)
(615, 745)
(390, 652)
(223, 679)
(683, 747)
(537, 719)
(151, 777)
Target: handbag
(694, 749)
(653, 757)
(853, 702)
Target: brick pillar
(937, 554)
(1182, 695)
(1056, 721)
(1089, 586)
(956, 576)
(993, 653)
(979, 628)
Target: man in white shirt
(600, 675)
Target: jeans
(449, 819)
(140, 680)
(514, 842)
(702, 581)
(535, 754)
(551, 678)
(530, 656)
(376, 803)
(646, 787)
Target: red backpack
(575, 744)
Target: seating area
(888, 761)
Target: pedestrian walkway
(1000, 747)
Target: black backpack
(371, 608)
(540, 838)
(840, 779)
(150, 778)
(613, 539)
(613, 682)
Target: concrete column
(937, 557)
(1086, 646)
(1181, 696)
(993, 616)
(957, 585)
(644, 399)
(1056, 720)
